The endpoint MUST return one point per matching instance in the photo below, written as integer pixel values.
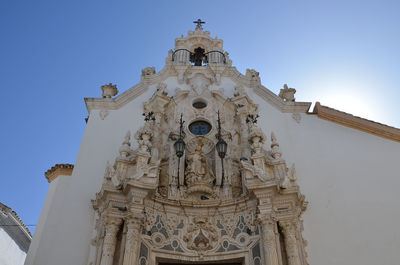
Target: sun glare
(354, 98)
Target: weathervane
(199, 22)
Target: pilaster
(289, 229)
(268, 226)
(132, 242)
(110, 240)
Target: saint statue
(197, 170)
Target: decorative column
(289, 231)
(132, 241)
(269, 238)
(110, 240)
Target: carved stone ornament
(287, 93)
(148, 71)
(109, 90)
(257, 138)
(103, 114)
(200, 207)
(201, 234)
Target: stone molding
(58, 170)
(357, 123)
(169, 70)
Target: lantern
(221, 147)
(179, 147)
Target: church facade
(220, 170)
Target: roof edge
(17, 219)
(348, 120)
(58, 170)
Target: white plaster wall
(10, 253)
(68, 225)
(349, 177)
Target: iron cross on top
(199, 22)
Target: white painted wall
(349, 177)
(10, 252)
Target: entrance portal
(215, 263)
(219, 262)
(199, 264)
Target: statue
(197, 170)
(199, 177)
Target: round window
(198, 104)
(200, 127)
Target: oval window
(199, 104)
(200, 127)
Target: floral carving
(201, 234)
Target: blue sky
(344, 54)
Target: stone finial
(144, 136)
(257, 139)
(126, 145)
(275, 151)
(253, 74)
(287, 94)
(109, 90)
(148, 71)
(289, 180)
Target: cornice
(266, 94)
(229, 71)
(58, 170)
(277, 102)
(357, 123)
(128, 95)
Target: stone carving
(257, 139)
(109, 90)
(133, 231)
(144, 136)
(287, 94)
(148, 71)
(103, 114)
(199, 177)
(269, 238)
(296, 117)
(112, 227)
(289, 231)
(289, 179)
(201, 234)
(275, 151)
(162, 89)
(253, 75)
(239, 90)
(125, 149)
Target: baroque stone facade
(155, 207)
